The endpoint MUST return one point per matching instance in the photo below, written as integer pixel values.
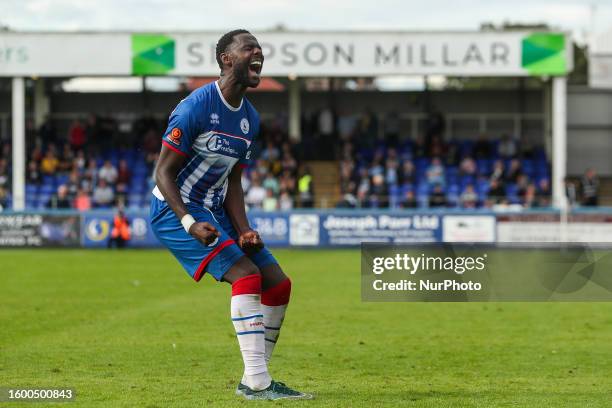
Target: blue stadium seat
(31, 189)
(47, 189)
(61, 179)
(48, 180)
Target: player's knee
(241, 269)
(277, 295)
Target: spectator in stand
(469, 198)
(77, 136)
(108, 173)
(364, 182)
(36, 154)
(528, 200)
(65, 162)
(82, 202)
(435, 173)
(3, 199)
(261, 167)
(4, 174)
(507, 147)
(305, 189)
(49, 163)
(103, 195)
(124, 176)
(571, 192)
(590, 188)
(80, 162)
(514, 172)
(347, 179)
(544, 194)
(362, 199)
(285, 201)
(255, 196)
(437, 198)
(497, 192)
(377, 169)
(467, 167)
(271, 183)
(60, 200)
(288, 163)
(33, 174)
(90, 177)
(407, 175)
(482, 147)
(392, 168)
(498, 171)
(270, 203)
(379, 195)
(74, 184)
(409, 200)
(522, 183)
(271, 152)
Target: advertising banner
(534, 228)
(349, 229)
(341, 54)
(97, 229)
(39, 230)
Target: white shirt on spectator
(108, 173)
(255, 196)
(103, 195)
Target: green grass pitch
(130, 329)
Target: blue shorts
(197, 258)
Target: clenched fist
(204, 232)
(250, 241)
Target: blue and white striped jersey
(214, 136)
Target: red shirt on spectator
(77, 135)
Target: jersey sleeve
(182, 129)
(248, 159)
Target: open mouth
(255, 67)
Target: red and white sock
(274, 303)
(248, 320)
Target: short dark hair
(224, 42)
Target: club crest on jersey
(214, 119)
(244, 125)
(175, 136)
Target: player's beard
(241, 73)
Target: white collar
(230, 107)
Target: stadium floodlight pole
(295, 109)
(18, 113)
(559, 142)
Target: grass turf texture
(130, 329)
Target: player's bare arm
(249, 239)
(168, 166)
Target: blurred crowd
(391, 171)
(99, 163)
